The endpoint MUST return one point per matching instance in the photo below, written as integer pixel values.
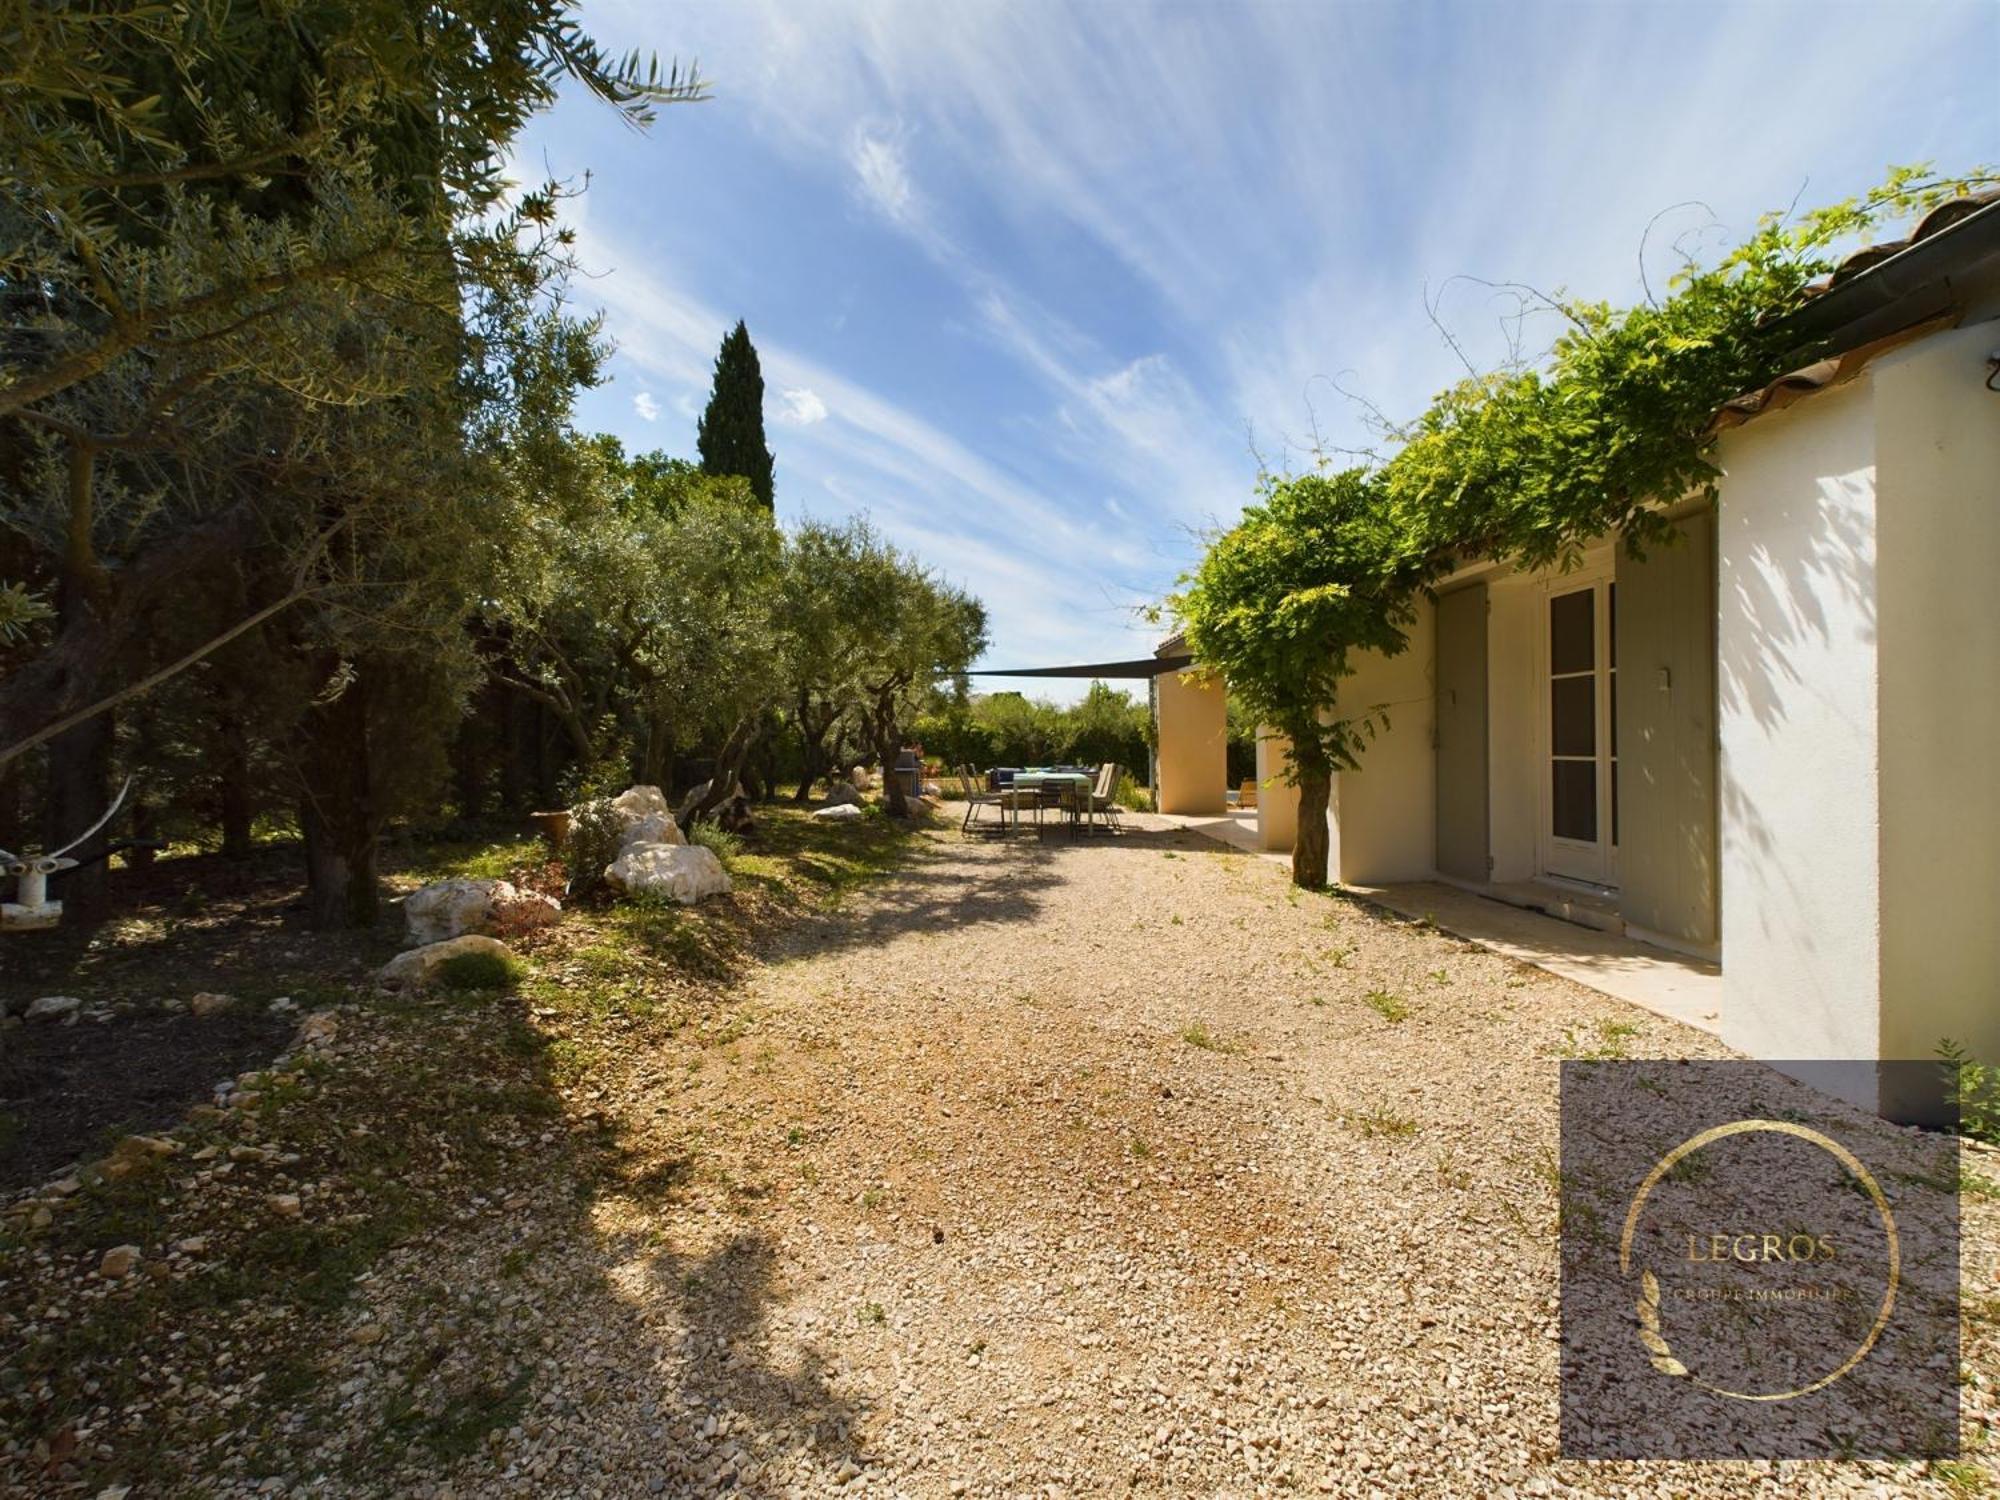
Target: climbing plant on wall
(1523, 465)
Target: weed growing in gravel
(1613, 1042)
(1390, 1007)
(1196, 1034)
(1140, 1149)
(1694, 1167)
(1450, 1172)
(1384, 1122)
(1963, 1479)
(875, 1313)
(1439, 976)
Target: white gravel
(1049, 1169)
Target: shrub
(594, 831)
(719, 841)
(1975, 1088)
(1132, 794)
(478, 971)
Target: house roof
(1878, 298)
(1818, 376)
(1947, 214)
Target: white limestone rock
(653, 828)
(637, 802)
(842, 793)
(686, 873)
(53, 1008)
(417, 965)
(447, 909)
(839, 812)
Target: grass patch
(479, 971)
(1607, 1041)
(475, 859)
(1385, 1123)
(1197, 1034)
(1390, 1007)
(1961, 1478)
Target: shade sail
(1145, 666)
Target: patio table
(1082, 781)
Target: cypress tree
(731, 432)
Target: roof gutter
(1912, 286)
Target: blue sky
(1035, 284)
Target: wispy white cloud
(647, 408)
(882, 174)
(800, 407)
(1051, 269)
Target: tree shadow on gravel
(772, 1414)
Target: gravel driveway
(1052, 1168)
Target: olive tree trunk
(1309, 845)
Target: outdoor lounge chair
(1104, 797)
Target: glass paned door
(1580, 816)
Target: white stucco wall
(1277, 798)
(1938, 466)
(1385, 814)
(1797, 724)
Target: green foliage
(730, 433)
(719, 841)
(1975, 1088)
(869, 636)
(1525, 464)
(1010, 729)
(674, 639)
(595, 828)
(1133, 794)
(478, 971)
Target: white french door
(1579, 741)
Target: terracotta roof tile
(1936, 221)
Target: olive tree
(1307, 576)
